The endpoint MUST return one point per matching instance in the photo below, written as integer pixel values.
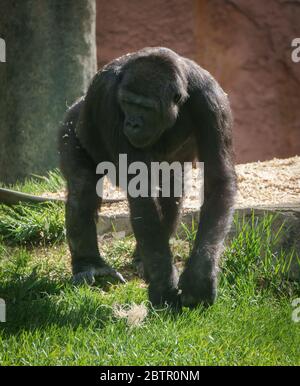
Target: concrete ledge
(287, 216)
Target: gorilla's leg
(170, 211)
(169, 208)
(153, 243)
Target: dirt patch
(270, 182)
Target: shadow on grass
(34, 302)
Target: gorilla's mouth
(140, 144)
(139, 140)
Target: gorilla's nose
(133, 125)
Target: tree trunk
(50, 59)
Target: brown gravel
(270, 182)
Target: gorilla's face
(144, 117)
(150, 97)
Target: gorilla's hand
(197, 288)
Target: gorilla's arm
(210, 110)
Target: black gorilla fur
(152, 105)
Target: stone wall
(245, 44)
(125, 26)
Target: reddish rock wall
(126, 26)
(245, 44)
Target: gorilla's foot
(88, 274)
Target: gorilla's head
(152, 89)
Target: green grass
(52, 182)
(34, 223)
(51, 322)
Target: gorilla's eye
(177, 98)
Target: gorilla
(152, 105)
